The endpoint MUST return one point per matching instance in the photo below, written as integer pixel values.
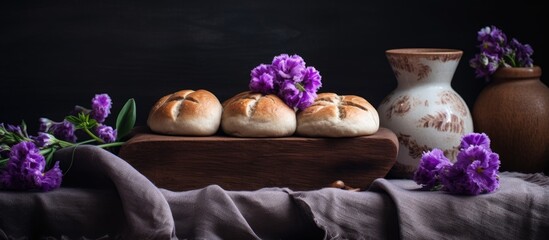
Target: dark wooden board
(183, 163)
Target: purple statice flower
(43, 139)
(101, 107)
(456, 181)
(290, 93)
(51, 179)
(475, 139)
(301, 92)
(496, 51)
(25, 170)
(475, 172)
(493, 41)
(262, 80)
(106, 133)
(522, 53)
(64, 131)
(431, 163)
(485, 64)
(288, 67)
(312, 80)
(24, 167)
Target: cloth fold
(517, 210)
(104, 197)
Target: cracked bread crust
(250, 114)
(186, 112)
(332, 115)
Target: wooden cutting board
(183, 163)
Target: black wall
(57, 54)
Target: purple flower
(25, 168)
(475, 172)
(491, 34)
(312, 80)
(51, 179)
(427, 173)
(101, 107)
(64, 131)
(263, 78)
(456, 181)
(522, 53)
(106, 133)
(475, 139)
(485, 64)
(290, 93)
(288, 67)
(43, 139)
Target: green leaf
(126, 119)
(73, 119)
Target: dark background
(57, 54)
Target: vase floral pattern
(424, 111)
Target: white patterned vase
(424, 111)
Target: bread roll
(251, 114)
(186, 112)
(338, 116)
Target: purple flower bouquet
(496, 51)
(289, 78)
(26, 162)
(475, 171)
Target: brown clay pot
(513, 109)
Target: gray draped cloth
(103, 197)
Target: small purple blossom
(106, 133)
(51, 179)
(64, 131)
(475, 139)
(43, 139)
(522, 53)
(25, 169)
(288, 67)
(430, 165)
(101, 107)
(263, 79)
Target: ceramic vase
(513, 110)
(424, 111)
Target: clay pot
(513, 109)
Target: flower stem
(113, 144)
(93, 135)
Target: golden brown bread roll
(332, 115)
(251, 114)
(186, 112)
